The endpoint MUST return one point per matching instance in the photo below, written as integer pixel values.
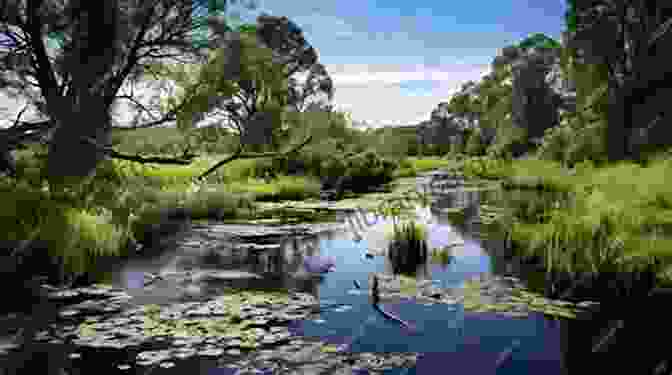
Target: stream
(207, 259)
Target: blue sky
(392, 61)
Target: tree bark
(70, 156)
(619, 123)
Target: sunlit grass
(282, 188)
(76, 236)
(621, 216)
(428, 164)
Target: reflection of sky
(446, 334)
(134, 279)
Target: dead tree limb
(239, 155)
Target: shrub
(485, 167)
(474, 145)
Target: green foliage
(574, 141)
(74, 235)
(283, 188)
(540, 41)
(484, 167)
(203, 88)
(615, 219)
(474, 146)
(510, 140)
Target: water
(450, 339)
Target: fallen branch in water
(375, 295)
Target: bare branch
(109, 151)
(238, 155)
(185, 160)
(18, 117)
(139, 105)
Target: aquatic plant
(408, 248)
(442, 256)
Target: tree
(628, 41)
(103, 45)
(264, 98)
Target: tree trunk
(619, 123)
(70, 157)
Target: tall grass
(408, 247)
(282, 188)
(76, 236)
(619, 219)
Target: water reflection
(447, 336)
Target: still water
(450, 340)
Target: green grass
(619, 212)
(410, 167)
(235, 170)
(428, 164)
(282, 188)
(75, 235)
(536, 174)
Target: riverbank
(126, 206)
(602, 219)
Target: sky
(393, 61)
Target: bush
(474, 145)
(571, 142)
(485, 167)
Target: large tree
(628, 40)
(280, 79)
(103, 45)
(280, 72)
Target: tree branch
(238, 155)
(660, 32)
(109, 151)
(139, 105)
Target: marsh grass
(408, 247)
(282, 188)
(410, 167)
(619, 219)
(75, 236)
(483, 167)
(442, 256)
(431, 163)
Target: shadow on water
(206, 262)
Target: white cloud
(337, 27)
(373, 93)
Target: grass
(408, 247)
(102, 214)
(620, 216)
(76, 236)
(282, 188)
(428, 164)
(410, 167)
